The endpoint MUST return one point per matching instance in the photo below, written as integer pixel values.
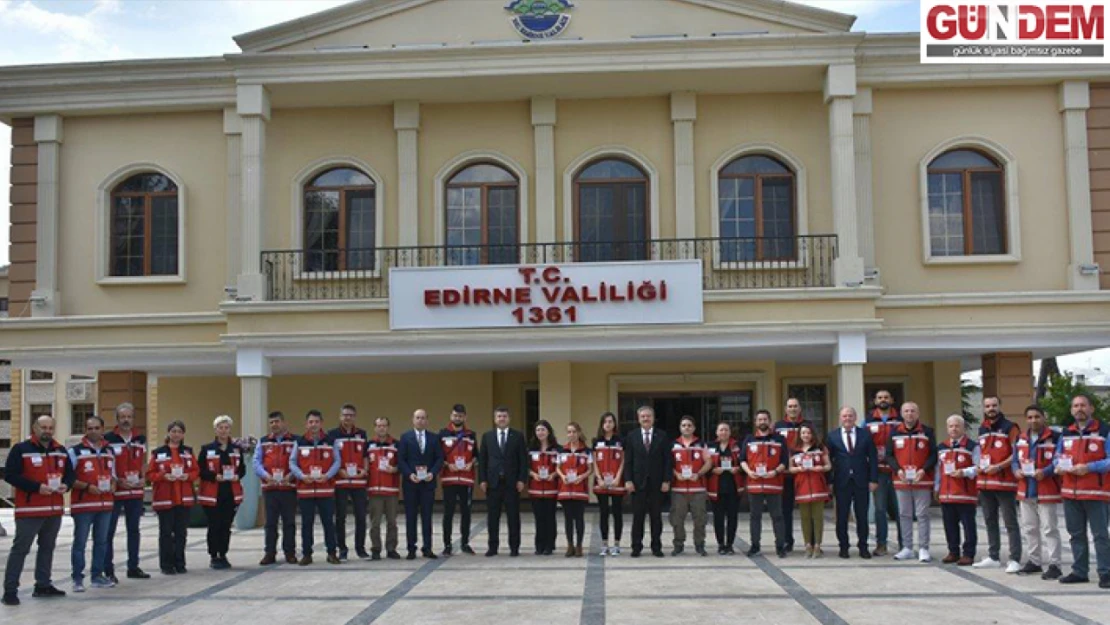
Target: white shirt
(845, 434)
(647, 437)
(502, 436)
(420, 439)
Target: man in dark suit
(648, 469)
(420, 458)
(502, 473)
(855, 475)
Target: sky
(65, 31)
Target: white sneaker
(987, 563)
(923, 555)
(615, 551)
(78, 586)
(905, 554)
(604, 552)
(1013, 566)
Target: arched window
(144, 227)
(611, 211)
(967, 204)
(339, 221)
(482, 216)
(756, 197)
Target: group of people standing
(893, 460)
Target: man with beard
(997, 484)
(279, 490)
(460, 448)
(129, 450)
(40, 471)
(1082, 461)
(764, 458)
(881, 423)
(788, 429)
(91, 503)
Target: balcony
(727, 264)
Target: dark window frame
(966, 199)
(757, 203)
(342, 251)
(621, 187)
(148, 228)
(485, 188)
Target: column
(684, 110)
(861, 122)
(849, 358)
(253, 368)
(1075, 99)
(947, 399)
(253, 105)
(1009, 377)
(555, 395)
(840, 89)
(45, 299)
(406, 121)
(543, 129)
(233, 132)
(152, 424)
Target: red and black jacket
(29, 466)
(767, 452)
(170, 494)
(215, 461)
(92, 466)
(997, 440)
(130, 462)
(352, 451)
(880, 433)
(539, 462)
(460, 448)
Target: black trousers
(281, 505)
(574, 521)
(358, 498)
(505, 494)
(419, 499)
(220, 518)
(611, 505)
(173, 528)
(788, 510)
(462, 497)
(725, 512)
(956, 515)
(647, 503)
(855, 496)
(546, 523)
(773, 504)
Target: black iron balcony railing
(746, 263)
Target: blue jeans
(310, 507)
(99, 523)
(1077, 516)
(132, 509)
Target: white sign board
(536, 296)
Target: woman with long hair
(221, 491)
(609, 481)
(543, 486)
(724, 485)
(574, 470)
(172, 472)
(809, 464)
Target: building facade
(279, 228)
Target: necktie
(851, 444)
(502, 440)
(420, 435)
(647, 439)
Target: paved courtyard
(553, 590)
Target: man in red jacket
(40, 471)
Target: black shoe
(514, 553)
(753, 551)
(1053, 572)
(677, 550)
(343, 555)
(181, 570)
(10, 598)
(636, 553)
(844, 553)
(1072, 578)
(781, 552)
(1030, 569)
(218, 564)
(467, 550)
(1104, 581)
(112, 576)
(789, 547)
(700, 549)
(446, 551)
(135, 573)
(721, 550)
(658, 553)
(169, 572)
(490, 553)
(377, 555)
(362, 554)
(730, 551)
(393, 555)
(47, 592)
(429, 554)
(864, 553)
(411, 556)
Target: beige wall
(297, 138)
(907, 124)
(189, 145)
(460, 23)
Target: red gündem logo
(1020, 32)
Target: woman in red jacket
(543, 486)
(809, 464)
(574, 469)
(173, 470)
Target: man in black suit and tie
(648, 467)
(502, 473)
(420, 458)
(855, 475)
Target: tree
(1058, 395)
(967, 389)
